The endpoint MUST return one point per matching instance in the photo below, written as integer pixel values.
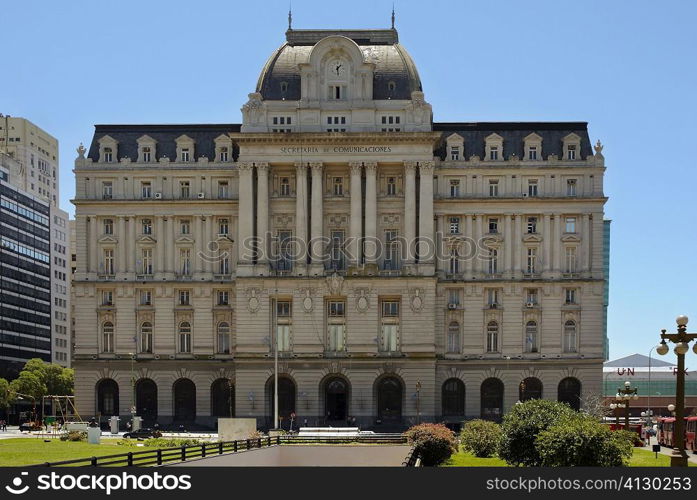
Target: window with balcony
(531, 336)
(337, 250)
(283, 325)
(184, 298)
(492, 336)
(184, 337)
(391, 261)
(454, 262)
(531, 260)
(570, 260)
(185, 261)
(338, 186)
(389, 325)
(493, 261)
(285, 251)
(453, 344)
(109, 261)
(108, 337)
(223, 334)
(146, 261)
(224, 265)
(336, 325)
(146, 337)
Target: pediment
(185, 239)
(570, 238)
(184, 139)
(108, 239)
(146, 139)
(532, 238)
(533, 138)
(454, 138)
(107, 139)
(572, 138)
(494, 137)
(222, 138)
(147, 239)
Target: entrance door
(336, 401)
(184, 400)
(390, 400)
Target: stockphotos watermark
(107, 483)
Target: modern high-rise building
(36, 154)
(400, 269)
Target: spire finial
(290, 16)
(392, 15)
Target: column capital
(356, 167)
(317, 167)
(426, 167)
(410, 167)
(245, 166)
(262, 166)
(300, 167)
(370, 166)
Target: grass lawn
(29, 451)
(640, 458)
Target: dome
(394, 77)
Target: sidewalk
(691, 457)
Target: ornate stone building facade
(405, 270)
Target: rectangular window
(337, 250)
(532, 225)
(283, 324)
(571, 187)
(493, 261)
(185, 226)
(336, 320)
(532, 153)
(223, 298)
(223, 190)
(454, 225)
(532, 187)
(146, 225)
(570, 260)
(185, 154)
(391, 250)
(391, 186)
(145, 190)
(107, 298)
(285, 261)
(108, 226)
(185, 261)
(571, 152)
(224, 265)
(106, 190)
(223, 156)
(389, 326)
(146, 256)
(493, 188)
(455, 153)
(570, 296)
(108, 155)
(338, 183)
(531, 297)
(145, 297)
(184, 189)
(454, 188)
(337, 92)
(570, 225)
(185, 338)
(223, 227)
(108, 261)
(184, 297)
(147, 154)
(492, 297)
(531, 267)
(454, 297)
(494, 153)
(285, 186)
(493, 226)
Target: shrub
(156, 434)
(256, 435)
(481, 437)
(170, 443)
(74, 436)
(435, 442)
(583, 442)
(522, 425)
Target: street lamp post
(624, 395)
(614, 407)
(682, 340)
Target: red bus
(666, 430)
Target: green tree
(28, 384)
(523, 423)
(5, 399)
(59, 381)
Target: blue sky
(628, 68)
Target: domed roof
(395, 75)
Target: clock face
(338, 68)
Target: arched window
(531, 336)
(569, 392)
(570, 336)
(390, 394)
(146, 400)
(492, 336)
(453, 398)
(107, 336)
(454, 337)
(108, 397)
(222, 398)
(185, 337)
(530, 388)
(223, 338)
(492, 399)
(184, 400)
(146, 337)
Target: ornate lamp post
(624, 395)
(614, 407)
(682, 341)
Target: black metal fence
(161, 456)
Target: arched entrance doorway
(569, 392)
(390, 400)
(222, 398)
(530, 388)
(184, 400)
(492, 399)
(286, 400)
(108, 397)
(453, 398)
(146, 400)
(336, 396)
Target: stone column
(121, 264)
(317, 218)
(169, 239)
(472, 250)
(518, 248)
(198, 245)
(586, 242)
(262, 214)
(207, 263)
(301, 217)
(556, 243)
(132, 237)
(159, 266)
(371, 212)
(425, 245)
(82, 238)
(546, 236)
(93, 244)
(355, 226)
(410, 210)
(245, 214)
(508, 244)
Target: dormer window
(571, 152)
(223, 148)
(455, 147)
(391, 86)
(223, 155)
(147, 155)
(493, 147)
(146, 149)
(107, 150)
(532, 153)
(284, 87)
(571, 147)
(185, 156)
(494, 153)
(533, 147)
(185, 148)
(108, 155)
(455, 153)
